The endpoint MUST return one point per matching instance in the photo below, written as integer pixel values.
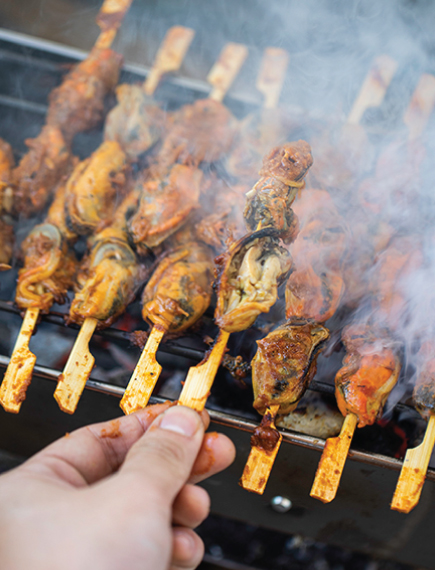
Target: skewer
(145, 375)
(147, 371)
(19, 372)
(332, 462)
(71, 382)
(336, 449)
(414, 469)
(169, 56)
(225, 70)
(109, 19)
(413, 473)
(80, 362)
(200, 378)
(420, 107)
(260, 461)
(374, 88)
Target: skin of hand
(114, 495)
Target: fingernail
(181, 420)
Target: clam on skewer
(175, 297)
(200, 132)
(286, 359)
(107, 282)
(76, 105)
(372, 364)
(204, 131)
(47, 275)
(252, 268)
(137, 122)
(413, 473)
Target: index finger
(93, 452)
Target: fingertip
(150, 413)
(191, 507)
(216, 454)
(187, 549)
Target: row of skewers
(162, 211)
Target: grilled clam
(285, 364)
(164, 206)
(180, 289)
(95, 188)
(250, 274)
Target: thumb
(161, 461)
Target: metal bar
(23, 104)
(140, 70)
(111, 333)
(228, 420)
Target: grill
(358, 519)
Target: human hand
(113, 496)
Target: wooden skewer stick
(271, 77)
(169, 56)
(200, 378)
(336, 449)
(145, 375)
(260, 461)
(413, 473)
(374, 87)
(420, 107)
(270, 81)
(109, 19)
(225, 70)
(332, 462)
(19, 371)
(72, 381)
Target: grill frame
(31, 430)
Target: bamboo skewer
(420, 107)
(226, 69)
(147, 371)
(414, 469)
(332, 462)
(269, 82)
(20, 369)
(145, 375)
(169, 57)
(270, 79)
(108, 23)
(200, 378)
(334, 455)
(19, 372)
(413, 473)
(374, 88)
(71, 382)
(260, 461)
